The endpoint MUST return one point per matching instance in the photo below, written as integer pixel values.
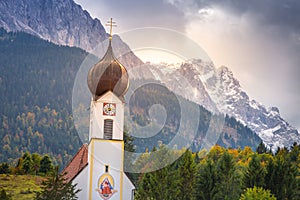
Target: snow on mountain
(267, 123)
(218, 91)
(179, 78)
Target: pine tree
(228, 183)
(206, 180)
(281, 177)
(45, 164)
(162, 182)
(144, 188)
(56, 187)
(261, 148)
(159, 185)
(255, 173)
(187, 176)
(27, 163)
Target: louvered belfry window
(108, 129)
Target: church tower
(103, 177)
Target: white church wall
(106, 153)
(81, 180)
(128, 188)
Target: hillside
(184, 126)
(36, 111)
(35, 84)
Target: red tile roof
(79, 161)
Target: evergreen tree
(27, 163)
(261, 148)
(281, 177)
(255, 173)
(228, 182)
(159, 185)
(144, 188)
(162, 182)
(187, 176)
(295, 154)
(257, 193)
(56, 187)
(45, 164)
(206, 180)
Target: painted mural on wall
(106, 186)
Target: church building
(97, 168)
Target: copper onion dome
(108, 75)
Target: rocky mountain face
(218, 91)
(266, 122)
(62, 22)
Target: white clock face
(109, 109)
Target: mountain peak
(222, 90)
(225, 71)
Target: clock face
(109, 109)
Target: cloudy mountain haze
(259, 40)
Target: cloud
(258, 39)
(131, 14)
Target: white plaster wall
(81, 180)
(128, 188)
(106, 152)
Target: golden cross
(111, 23)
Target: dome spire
(108, 74)
(111, 24)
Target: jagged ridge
(218, 91)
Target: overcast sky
(259, 40)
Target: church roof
(108, 75)
(77, 164)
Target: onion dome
(108, 75)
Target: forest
(220, 173)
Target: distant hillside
(36, 83)
(180, 121)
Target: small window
(108, 129)
(106, 168)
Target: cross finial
(111, 23)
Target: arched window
(108, 129)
